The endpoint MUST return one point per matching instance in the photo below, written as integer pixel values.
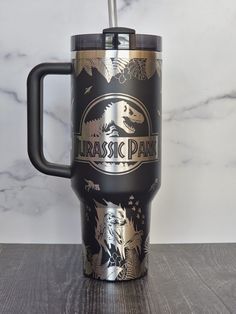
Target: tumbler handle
(35, 117)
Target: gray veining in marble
(200, 110)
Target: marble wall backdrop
(197, 201)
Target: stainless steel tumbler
(116, 150)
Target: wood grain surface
(185, 278)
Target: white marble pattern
(197, 201)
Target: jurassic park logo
(115, 135)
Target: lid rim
(96, 42)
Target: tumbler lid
(116, 38)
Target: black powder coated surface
(136, 182)
(185, 278)
(116, 192)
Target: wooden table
(185, 278)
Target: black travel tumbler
(116, 144)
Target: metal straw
(112, 9)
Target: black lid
(116, 38)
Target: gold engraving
(121, 65)
(114, 141)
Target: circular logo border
(119, 96)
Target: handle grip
(35, 117)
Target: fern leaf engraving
(137, 69)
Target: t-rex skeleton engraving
(116, 115)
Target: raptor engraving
(116, 116)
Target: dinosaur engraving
(90, 185)
(119, 256)
(110, 227)
(116, 115)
